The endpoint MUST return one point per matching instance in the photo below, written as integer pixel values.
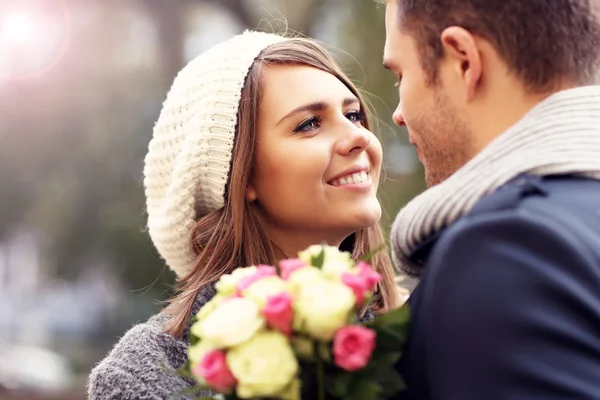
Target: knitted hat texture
(187, 165)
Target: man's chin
(432, 179)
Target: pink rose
(278, 312)
(353, 346)
(371, 277)
(215, 372)
(362, 282)
(261, 272)
(290, 265)
(357, 284)
(231, 297)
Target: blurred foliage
(72, 141)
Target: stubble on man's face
(444, 140)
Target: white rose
(227, 283)
(303, 277)
(196, 352)
(335, 262)
(323, 307)
(264, 366)
(232, 322)
(264, 288)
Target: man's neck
(495, 116)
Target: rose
(335, 262)
(353, 346)
(231, 322)
(215, 372)
(369, 275)
(228, 282)
(209, 307)
(357, 284)
(264, 366)
(323, 307)
(292, 391)
(196, 352)
(289, 266)
(262, 271)
(361, 280)
(303, 277)
(278, 313)
(265, 287)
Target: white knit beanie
(188, 161)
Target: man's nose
(398, 117)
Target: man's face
(431, 111)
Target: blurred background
(81, 85)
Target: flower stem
(321, 378)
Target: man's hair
(542, 41)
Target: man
(497, 98)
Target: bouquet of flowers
(293, 331)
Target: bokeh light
(18, 28)
(33, 37)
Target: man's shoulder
(562, 205)
(513, 284)
(553, 223)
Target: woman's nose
(355, 140)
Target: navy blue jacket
(508, 306)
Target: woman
(262, 149)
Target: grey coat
(143, 364)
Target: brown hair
(543, 42)
(234, 236)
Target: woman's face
(316, 168)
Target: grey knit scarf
(561, 135)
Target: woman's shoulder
(142, 365)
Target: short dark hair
(542, 41)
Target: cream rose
(264, 366)
(265, 287)
(323, 307)
(228, 282)
(230, 323)
(335, 262)
(302, 278)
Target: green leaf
(339, 384)
(318, 261)
(364, 390)
(385, 358)
(194, 340)
(389, 340)
(369, 256)
(390, 381)
(277, 269)
(400, 317)
(324, 351)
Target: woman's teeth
(362, 177)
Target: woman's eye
(356, 116)
(309, 124)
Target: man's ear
(462, 51)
